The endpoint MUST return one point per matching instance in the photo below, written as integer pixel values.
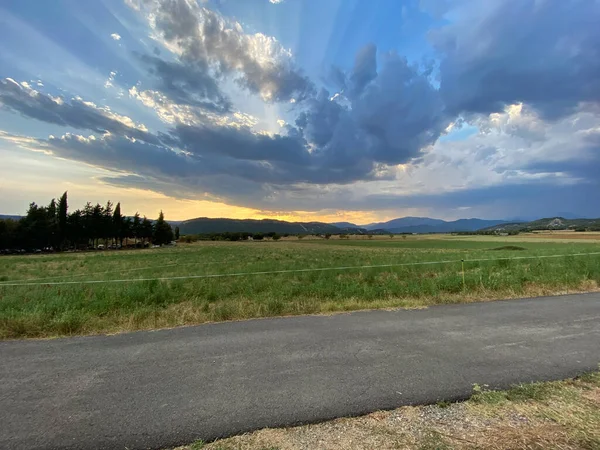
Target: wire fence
(276, 272)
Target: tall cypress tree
(118, 224)
(62, 219)
(53, 238)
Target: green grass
(46, 310)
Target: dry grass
(553, 415)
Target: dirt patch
(566, 416)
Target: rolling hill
(9, 217)
(203, 225)
(550, 223)
(346, 225)
(428, 225)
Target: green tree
(62, 220)
(106, 226)
(8, 233)
(163, 234)
(52, 231)
(97, 222)
(146, 229)
(76, 231)
(136, 227)
(127, 230)
(117, 224)
(34, 228)
(176, 233)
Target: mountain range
(424, 225)
(549, 223)
(204, 225)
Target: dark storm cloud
(206, 38)
(74, 113)
(365, 67)
(388, 117)
(543, 53)
(276, 159)
(187, 84)
(240, 143)
(121, 154)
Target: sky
(328, 110)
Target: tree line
(232, 236)
(54, 227)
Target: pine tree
(118, 224)
(146, 229)
(176, 233)
(62, 219)
(136, 228)
(163, 234)
(127, 230)
(52, 239)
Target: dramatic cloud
(365, 68)
(510, 109)
(204, 38)
(76, 113)
(386, 117)
(187, 84)
(539, 52)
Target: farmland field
(40, 309)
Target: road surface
(163, 388)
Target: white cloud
(109, 82)
(166, 110)
(204, 37)
(276, 2)
(115, 36)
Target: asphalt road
(163, 388)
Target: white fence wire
(275, 272)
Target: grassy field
(554, 415)
(43, 310)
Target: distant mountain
(404, 222)
(549, 223)
(8, 216)
(428, 225)
(345, 225)
(204, 225)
